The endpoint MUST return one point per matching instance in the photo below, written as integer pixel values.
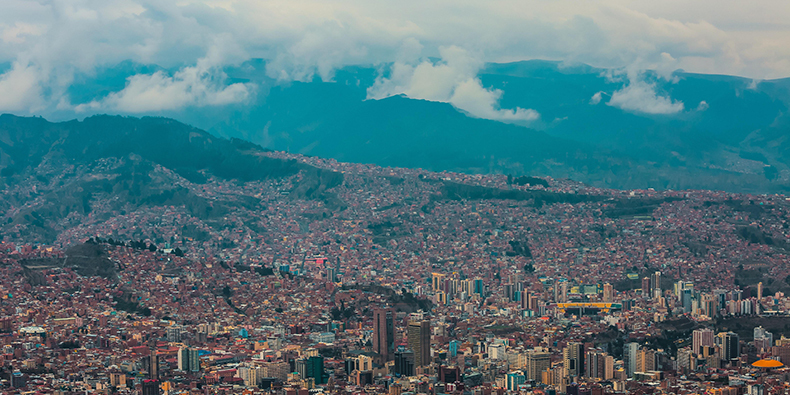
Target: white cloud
(20, 90)
(596, 98)
(452, 80)
(61, 39)
(204, 84)
(641, 96)
(703, 105)
(156, 92)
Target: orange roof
(768, 363)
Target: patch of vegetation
(456, 191)
(636, 206)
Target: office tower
(645, 360)
(730, 346)
(564, 290)
(384, 333)
(453, 348)
(630, 351)
(331, 274)
(538, 361)
(194, 360)
(449, 374)
(437, 281)
(655, 282)
(311, 367)
(478, 287)
(497, 352)
(684, 360)
(151, 387)
(183, 359)
(595, 364)
(404, 363)
(608, 293)
(153, 366)
(419, 339)
(508, 290)
(760, 290)
(646, 287)
(701, 338)
(686, 299)
(573, 359)
(174, 334)
(514, 379)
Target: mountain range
(725, 133)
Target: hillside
(54, 173)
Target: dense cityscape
(404, 282)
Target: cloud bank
(452, 80)
(641, 96)
(45, 45)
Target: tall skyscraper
(479, 288)
(538, 361)
(404, 363)
(701, 338)
(608, 293)
(630, 351)
(646, 287)
(311, 367)
(183, 359)
(730, 346)
(194, 360)
(384, 333)
(419, 339)
(153, 365)
(655, 282)
(573, 359)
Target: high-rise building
(759, 290)
(655, 282)
(437, 282)
(311, 367)
(514, 379)
(419, 339)
(194, 360)
(183, 359)
(630, 351)
(538, 361)
(453, 348)
(608, 293)
(384, 333)
(479, 288)
(595, 364)
(645, 360)
(151, 387)
(153, 365)
(701, 338)
(404, 363)
(730, 346)
(573, 359)
(646, 287)
(174, 334)
(684, 360)
(497, 352)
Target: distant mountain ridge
(732, 133)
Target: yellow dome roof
(768, 363)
